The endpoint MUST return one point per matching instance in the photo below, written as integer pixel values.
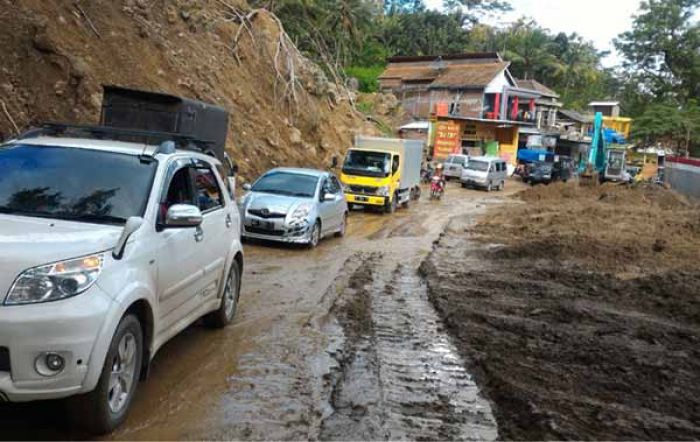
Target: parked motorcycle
(437, 187)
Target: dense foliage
(657, 82)
(662, 70)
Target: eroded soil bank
(578, 310)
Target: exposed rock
(295, 136)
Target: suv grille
(264, 213)
(363, 190)
(4, 359)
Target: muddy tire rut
(398, 375)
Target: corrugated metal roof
(410, 73)
(416, 125)
(468, 56)
(536, 86)
(576, 116)
(468, 75)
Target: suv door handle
(198, 234)
(228, 220)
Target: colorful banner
(447, 139)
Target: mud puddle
(398, 375)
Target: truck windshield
(287, 183)
(73, 184)
(363, 163)
(481, 166)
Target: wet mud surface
(398, 376)
(577, 345)
(340, 342)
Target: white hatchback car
(107, 250)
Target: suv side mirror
(183, 215)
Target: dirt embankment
(579, 310)
(57, 54)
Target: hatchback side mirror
(328, 197)
(247, 186)
(183, 215)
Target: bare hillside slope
(56, 54)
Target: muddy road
(339, 342)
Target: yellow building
(620, 125)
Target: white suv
(107, 250)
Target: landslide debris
(57, 54)
(579, 311)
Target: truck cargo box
(410, 150)
(205, 124)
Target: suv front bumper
(70, 328)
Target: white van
(485, 172)
(454, 165)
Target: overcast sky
(597, 20)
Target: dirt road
(336, 343)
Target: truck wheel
(223, 316)
(390, 206)
(105, 408)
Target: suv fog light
(49, 364)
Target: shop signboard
(447, 139)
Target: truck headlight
(383, 191)
(55, 281)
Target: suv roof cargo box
(204, 123)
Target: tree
(530, 50)
(668, 123)
(662, 48)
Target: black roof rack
(162, 140)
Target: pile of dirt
(58, 54)
(613, 228)
(578, 310)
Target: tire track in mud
(398, 376)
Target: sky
(597, 20)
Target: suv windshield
(287, 183)
(362, 163)
(73, 184)
(481, 166)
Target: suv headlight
(383, 191)
(55, 281)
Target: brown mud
(579, 311)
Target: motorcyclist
(439, 173)
(438, 177)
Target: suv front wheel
(105, 408)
